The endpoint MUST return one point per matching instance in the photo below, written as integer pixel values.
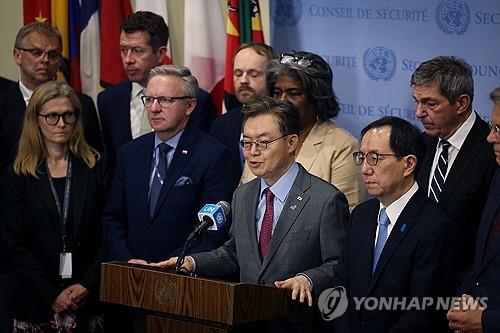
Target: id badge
(65, 265)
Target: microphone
(212, 217)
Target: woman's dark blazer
(32, 234)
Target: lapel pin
(292, 207)
(184, 152)
(403, 227)
(299, 198)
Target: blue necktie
(383, 222)
(159, 176)
(437, 182)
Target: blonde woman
(52, 201)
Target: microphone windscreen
(226, 207)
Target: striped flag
(90, 42)
(91, 52)
(243, 25)
(203, 47)
(158, 7)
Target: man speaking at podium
(288, 225)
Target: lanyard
(63, 211)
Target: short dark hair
(287, 114)
(259, 48)
(452, 75)
(148, 22)
(317, 79)
(405, 138)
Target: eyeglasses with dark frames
(52, 119)
(287, 58)
(164, 101)
(39, 53)
(372, 157)
(494, 127)
(260, 145)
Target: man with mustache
(458, 167)
(249, 79)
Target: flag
(36, 10)
(90, 48)
(204, 47)
(111, 14)
(243, 26)
(158, 7)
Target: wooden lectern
(178, 303)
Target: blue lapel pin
(403, 227)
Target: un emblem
(286, 12)
(453, 17)
(379, 63)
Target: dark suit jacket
(483, 278)
(130, 230)
(413, 263)
(12, 109)
(4, 84)
(466, 187)
(114, 109)
(31, 229)
(227, 129)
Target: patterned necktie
(440, 172)
(159, 176)
(266, 228)
(383, 222)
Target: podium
(179, 303)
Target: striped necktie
(439, 176)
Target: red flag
(111, 13)
(36, 10)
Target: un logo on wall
(453, 17)
(379, 63)
(286, 12)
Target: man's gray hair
(190, 82)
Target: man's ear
(410, 165)
(191, 105)
(293, 143)
(463, 103)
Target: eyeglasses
(495, 128)
(260, 145)
(164, 101)
(52, 119)
(287, 58)
(372, 157)
(39, 53)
